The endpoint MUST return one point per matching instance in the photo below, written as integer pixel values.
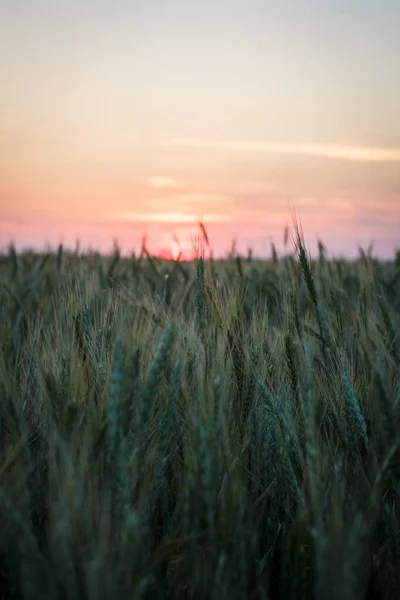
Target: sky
(130, 117)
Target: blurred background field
(199, 429)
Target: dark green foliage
(209, 429)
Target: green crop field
(199, 430)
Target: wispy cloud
(159, 181)
(169, 217)
(190, 201)
(352, 153)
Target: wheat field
(199, 430)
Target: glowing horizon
(142, 118)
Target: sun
(172, 251)
(175, 248)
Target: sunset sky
(120, 118)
